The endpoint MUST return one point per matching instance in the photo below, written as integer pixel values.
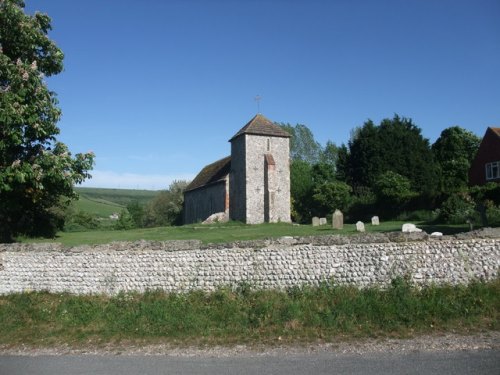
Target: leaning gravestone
(315, 221)
(360, 226)
(338, 220)
(375, 220)
(322, 221)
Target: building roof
(260, 125)
(496, 130)
(214, 172)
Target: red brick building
(486, 165)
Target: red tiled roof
(496, 130)
(211, 173)
(260, 125)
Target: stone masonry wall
(185, 265)
(256, 148)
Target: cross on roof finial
(258, 99)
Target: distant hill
(104, 202)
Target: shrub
(458, 209)
(81, 221)
(124, 221)
(332, 195)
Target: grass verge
(227, 317)
(227, 232)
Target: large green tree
(395, 145)
(36, 171)
(454, 151)
(303, 146)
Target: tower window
(268, 144)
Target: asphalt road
(442, 363)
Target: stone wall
(185, 265)
(205, 201)
(256, 148)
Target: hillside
(104, 202)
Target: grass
(97, 207)
(220, 233)
(308, 314)
(121, 197)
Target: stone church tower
(252, 185)
(259, 181)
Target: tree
(342, 171)
(37, 172)
(393, 190)
(303, 146)
(137, 213)
(395, 145)
(454, 151)
(166, 207)
(301, 187)
(331, 195)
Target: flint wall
(179, 266)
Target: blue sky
(157, 88)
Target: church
(251, 185)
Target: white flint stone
(410, 228)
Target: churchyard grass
(325, 313)
(228, 232)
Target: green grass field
(120, 197)
(98, 207)
(233, 231)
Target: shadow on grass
(445, 229)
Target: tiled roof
(211, 173)
(260, 125)
(496, 130)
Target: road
(442, 363)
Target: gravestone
(338, 220)
(410, 228)
(315, 221)
(360, 226)
(375, 220)
(322, 221)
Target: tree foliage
(454, 151)
(332, 195)
(166, 207)
(395, 145)
(301, 186)
(393, 191)
(303, 146)
(36, 171)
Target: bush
(458, 209)
(332, 195)
(124, 221)
(81, 221)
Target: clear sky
(157, 87)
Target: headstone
(338, 220)
(322, 221)
(436, 234)
(315, 221)
(410, 228)
(375, 220)
(360, 226)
